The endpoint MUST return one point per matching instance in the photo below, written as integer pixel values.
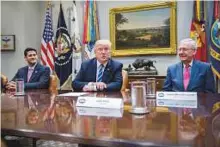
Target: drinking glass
(19, 86)
(92, 87)
(138, 97)
(151, 87)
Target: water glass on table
(151, 87)
(138, 97)
(92, 87)
(19, 86)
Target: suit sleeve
(16, 76)
(116, 83)
(43, 81)
(210, 81)
(78, 83)
(168, 81)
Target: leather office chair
(4, 81)
(53, 83)
(125, 80)
(3, 143)
(159, 84)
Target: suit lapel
(180, 74)
(93, 70)
(25, 74)
(193, 74)
(107, 72)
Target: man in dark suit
(189, 74)
(35, 75)
(100, 73)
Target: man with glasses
(189, 74)
(100, 73)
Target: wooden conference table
(41, 115)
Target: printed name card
(177, 99)
(99, 112)
(94, 102)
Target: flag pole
(51, 6)
(59, 39)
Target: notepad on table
(73, 94)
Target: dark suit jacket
(112, 75)
(39, 78)
(201, 78)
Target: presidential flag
(63, 52)
(197, 31)
(47, 45)
(91, 29)
(215, 39)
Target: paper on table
(72, 94)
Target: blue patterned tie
(100, 73)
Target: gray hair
(190, 42)
(103, 42)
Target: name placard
(88, 111)
(177, 99)
(94, 102)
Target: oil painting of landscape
(143, 31)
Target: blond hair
(103, 42)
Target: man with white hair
(189, 74)
(100, 73)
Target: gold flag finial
(48, 3)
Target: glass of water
(19, 86)
(138, 97)
(151, 87)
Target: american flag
(47, 45)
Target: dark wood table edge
(78, 140)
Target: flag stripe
(50, 59)
(42, 59)
(43, 54)
(197, 31)
(91, 29)
(47, 56)
(50, 46)
(50, 53)
(85, 22)
(96, 22)
(216, 9)
(198, 9)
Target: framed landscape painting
(143, 30)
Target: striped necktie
(100, 73)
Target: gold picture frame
(144, 29)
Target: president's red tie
(186, 76)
